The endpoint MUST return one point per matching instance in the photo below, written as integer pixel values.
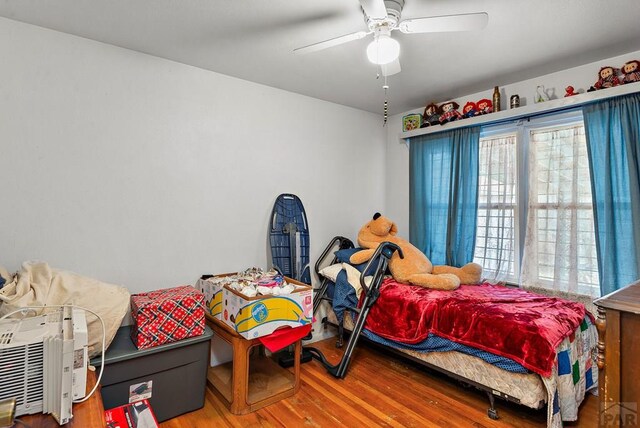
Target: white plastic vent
(5, 338)
(21, 371)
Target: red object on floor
(165, 316)
(133, 415)
(284, 337)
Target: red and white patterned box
(165, 316)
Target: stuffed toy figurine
(631, 71)
(570, 91)
(449, 112)
(469, 110)
(607, 78)
(485, 106)
(430, 116)
(415, 268)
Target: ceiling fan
(382, 17)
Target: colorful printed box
(165, 316)
(258, 316)
(132, 415)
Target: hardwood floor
(379, 390)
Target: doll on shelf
(430, 116)
(607, 78)
(631, 71)
(485, 106)
(449, 112)
(469, 110)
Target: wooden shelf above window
(527, 111)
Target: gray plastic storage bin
(177, 371)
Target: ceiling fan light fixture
(383, 49)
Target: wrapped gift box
(165, 316)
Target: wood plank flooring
(379, 390)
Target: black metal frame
(341, 243)
(286, 358)
(381, 256)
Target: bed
(556, 374)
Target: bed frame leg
(492, 412)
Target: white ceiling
(254, 39)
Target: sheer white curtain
(497, 202)
(559, 249)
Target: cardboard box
(212, 294)
(253, 317)
(165, 316)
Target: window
(535, 213)
(497, 208)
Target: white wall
(397, 152)
(147, 173)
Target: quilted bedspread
(510, 322)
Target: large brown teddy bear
(415, 268)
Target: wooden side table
(251, 380)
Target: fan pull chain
(386, 102)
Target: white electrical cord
(26, 309)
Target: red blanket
(510, 322)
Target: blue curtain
(443, 194)
(613, 140)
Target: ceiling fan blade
(391, 68)
(437, 24)
(374, 9)
(330, 43)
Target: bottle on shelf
(515, 101)
(496, 99)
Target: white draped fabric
(497, 203)
(559, 248)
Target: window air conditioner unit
(43, 362)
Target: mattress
(574, 370)
(526, 389)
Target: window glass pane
(497, 197)
(560, 251)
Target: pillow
(331, 272)
(353, 277)
(343, 256)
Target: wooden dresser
(619, 356)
